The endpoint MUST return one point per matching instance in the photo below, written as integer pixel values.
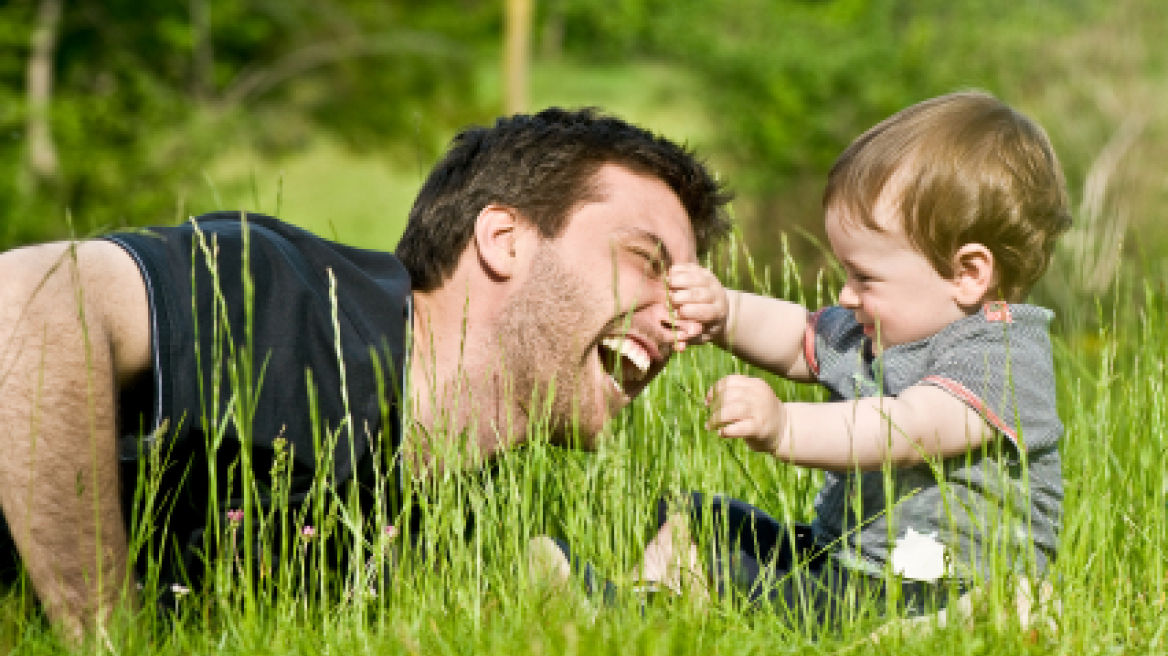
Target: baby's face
(891, 288)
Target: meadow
(471, 591)
(469, 588)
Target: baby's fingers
(701, 312)
(729, 386)
(686, 333)
(731, 412)
(688, 275)
(726, 414)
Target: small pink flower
(235, 516)
(308, 532)
(390, 531)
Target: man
(533, 264)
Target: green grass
(475, 595)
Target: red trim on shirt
(809, 342)
(998, 311)
(961, 392)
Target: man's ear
(974, 274)
(498, 231)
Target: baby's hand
(747, 408)
(700, 303)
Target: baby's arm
(922, 422)
(766, 332)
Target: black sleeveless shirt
(320, 326)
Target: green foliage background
(151, 98)
(161, 110)
(147, 94)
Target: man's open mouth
(625, 361)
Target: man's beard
(543, 336)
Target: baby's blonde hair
(968, 169)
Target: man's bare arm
(74, 325)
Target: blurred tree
(516, 55)
(42, 152)
(607, 31)
(140, 96)
(791, 82)
(109, 109)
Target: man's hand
(701, 304)
(746, 408)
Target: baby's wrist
(778, 439)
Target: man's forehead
(644, 208)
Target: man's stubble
(544, 349)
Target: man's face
(591, 317)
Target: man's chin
(576, 442)
(584, 425)
(583, 433)
(583, 438)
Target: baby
(940, 441)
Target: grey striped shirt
(997, 506)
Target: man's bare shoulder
(38, 281)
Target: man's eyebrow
(662, 251)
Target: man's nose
(670, 322)
(666, 323)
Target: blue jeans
(759, 560)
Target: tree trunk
(516, 55)
(42, 153)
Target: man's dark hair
(543, 165)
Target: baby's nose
(848, 297)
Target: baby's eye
(861, 277)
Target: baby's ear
(974, 274)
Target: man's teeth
(631, 352)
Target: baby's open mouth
(625, 361)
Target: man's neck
(455, 401)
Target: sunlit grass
(469, 591)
